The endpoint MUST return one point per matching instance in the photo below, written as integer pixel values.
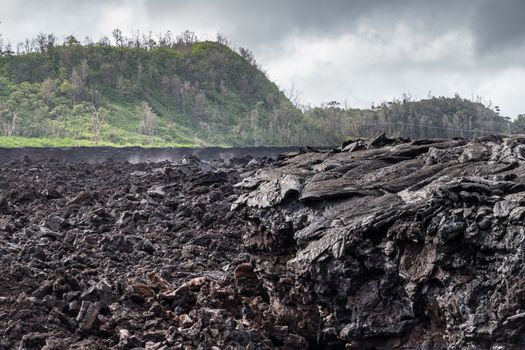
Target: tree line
(183, 41)
(433, 117)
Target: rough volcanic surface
(405, 245)
(387, 244)
(123, 256)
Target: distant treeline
(433, 117)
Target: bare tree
(119, 38)
(187, 38)
(104, 41)
(51, 40)
(254, 119)
(98, 118)
(19, 47)
(71, 41)
(77, 84)
(248, 56)
(88, 40)
(147, 41)
(221, 39)
(83, 70)
(185, 94)
(41, 42)
(294, 95)
(200, 104)
(8, 49)
(134, 41)
(166, 40)
(5, 47)
(9, 119)
(148, 120)
(28, 46)
(48, 88)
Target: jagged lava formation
(387, 244)
(395, 244)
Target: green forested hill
(434, 117)
(187, 93)
(179, 91)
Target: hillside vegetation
(185, 92)
(435, 117)
(180, 91)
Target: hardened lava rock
(128, 256)
(381, 244)
(401, 245)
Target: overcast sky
(358, 51)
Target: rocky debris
(394, 244)
(128, 256)
(381, 244)
(378, 141)
(87, 315)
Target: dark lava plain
(387, 244)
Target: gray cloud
(355, 50)
(499, 25)
(493, 24)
